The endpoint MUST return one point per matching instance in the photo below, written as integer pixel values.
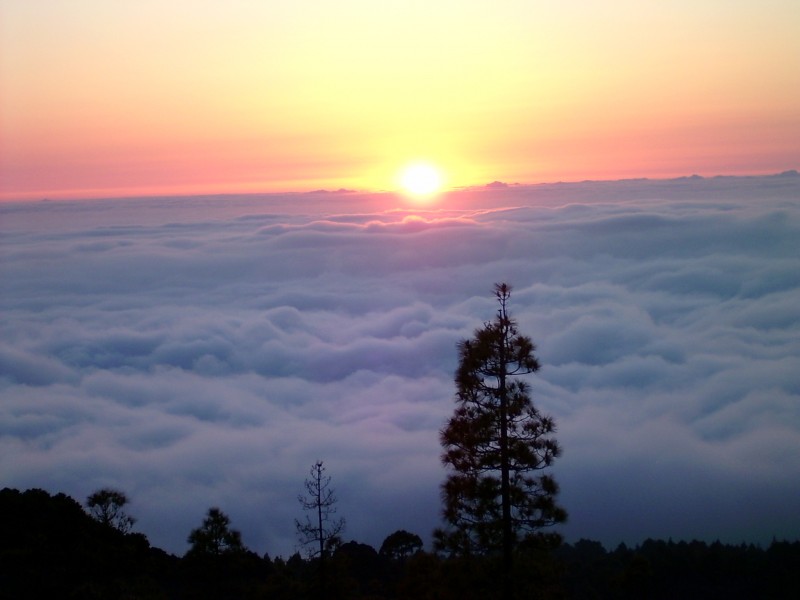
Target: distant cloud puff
(205, 351)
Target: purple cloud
(205, 351)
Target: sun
(421, 180)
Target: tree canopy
(400, 545)
(215, 537)
(107, 506)
(496, 445)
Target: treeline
(51, 548)
(660, 570)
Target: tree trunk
(505, 483)
(505, 492)
(321, 535)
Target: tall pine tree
(495, 446)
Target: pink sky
(127, 98)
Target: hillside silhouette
(51, 548)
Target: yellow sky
(192, 96)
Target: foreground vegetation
(51, 548)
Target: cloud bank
(206, 351)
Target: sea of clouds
(205, 351)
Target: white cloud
(206, 351)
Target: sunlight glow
(483, 95)
(421, 180)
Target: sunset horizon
(239, 238)
(332, 190)
(146, 98)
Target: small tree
(494, 444)
(400, 545)
(320, 533)
(215, 537)
(106, 506)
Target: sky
(206, 351)
(188, 317)
(146, 97)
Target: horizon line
(491, 186)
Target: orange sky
(137, 97)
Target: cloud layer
(206, 351)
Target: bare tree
(320, 530)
